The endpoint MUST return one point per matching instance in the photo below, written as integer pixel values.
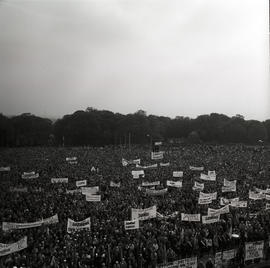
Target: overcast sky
(182, 57)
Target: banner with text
(144, 214)
(6, 249)
(73, 226)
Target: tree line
(99, 127)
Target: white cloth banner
(153, 183)
(210, 219)
(176, 184)
(173, 215)
(212, 174)
(3, 169)
(158, 143)
(239, 204)
(73, 226)
(137, 173)
(267, 206)
(198, 186)
(81, 183)
(165, 164)
(196, 168)
(157, 155)
(144, 214)
(226, 189)
(220, 211)
(255, 196)
(74, 158)
(30, 175)
(187, 263)
(75, 191)
(18, 189)
(205, 200)
(225, 201)
(131, 225)
(7, 226)
(93, 198)
(178, 174)
(131, 162)
(115, 184)
(59, 180)
(147, 167)
(156, 192)
(190, 217)
(6, 249)
(227, 183)
(90, 190)
(254, 250)
(229, 254)
(205, 177)
(206, 195)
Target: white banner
(59, 180)
(137, 173)
(18, 189)
(165, 164)
(212, 174)
(206, 195)
(173, 215)
(188, 263)
(190, 217)
(178, 174)
(131, 225)
(157, 155)
(267, 206)
(81, 183)
(115, 184)
(198, 186)
(73, 226)
(90, 190)
(3, 169)
(131, 162)
(93, 198)
(226, 189)
(75, 191)
(6, 249)
(205, 200)
(205, 177)
(156, 192)
(255, 196)
(74, 158)
(176, 184)
(210, 219)
(30, 175)
(254, 250)
(153, 183)
(227, 183)
(144, 214)
(147, 167)
(220, 211)
(158, 143)
(7, 226)
(229, 254)
(196, 168)
(239, 204)
(225, 201)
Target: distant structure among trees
(98, 128)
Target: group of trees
(97, 128)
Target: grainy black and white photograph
(134, 134)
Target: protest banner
(267, 206)
(227, 183)
(8, 226)
(156, 192)
(157, 155)
(173, 215)
(74, 226)
(188, 263)
(220, 211)
(210, 219)
(147, 167)
(205, 177)
(198, 186)
(90, 190)
(143, 214)
(75, 191)
(190, 217)
(4, 169)
(131, 225)
(254, 250)
(225, 201)
(239, 204)
(93, 198)
(206, 195)
(178, 174)
(205, 200)
(74, 158)
(212, 174)
(131, 162)
(115, 184)
(59, 180)
(6, 249)
(176, 184)
(81, 183)
(30, 175)
(150, 184)
(218, 260)
(226, 189)
(18, 189)
(255, 196)
(229, 254)
(137, 173)
(196, 168)
(164, 164)
(158, 143)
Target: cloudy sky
(176, 57)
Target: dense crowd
(108, 244)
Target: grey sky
(182, 57)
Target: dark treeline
(93, 127)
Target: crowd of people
(158, 240)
